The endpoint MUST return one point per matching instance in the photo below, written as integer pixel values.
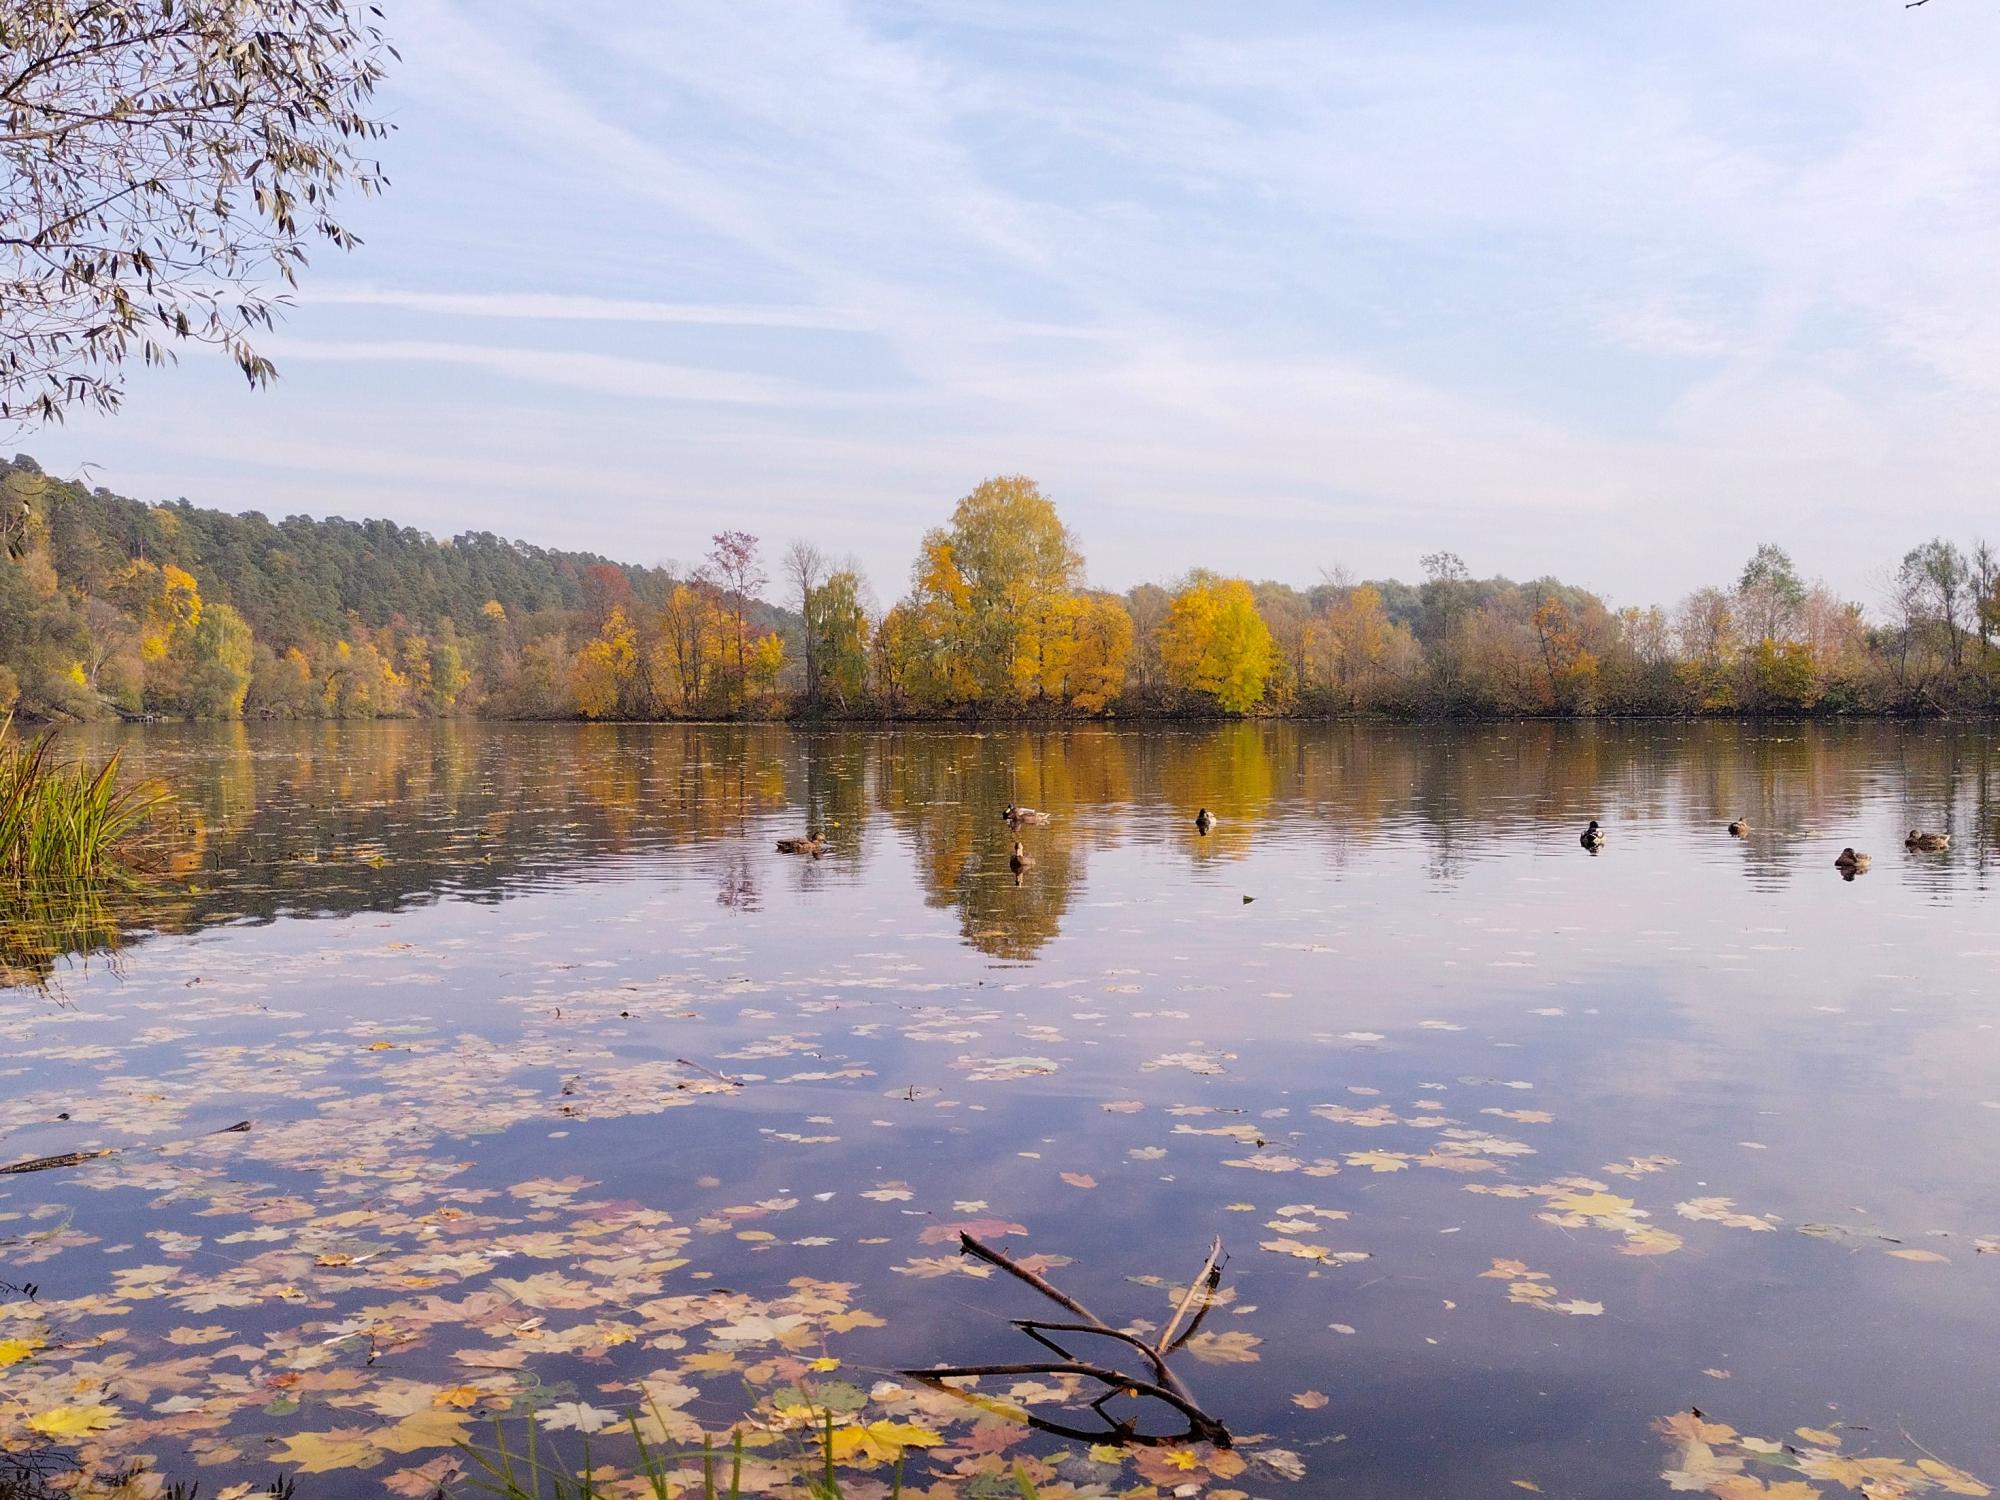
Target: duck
(1592, 838)
(811, 844)
(1849, 863)
(1930, 841)
(1019, 815)
(1020, 859)
(1203, 821)
(1740, 827)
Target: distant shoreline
(1067, 720)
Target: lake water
(569, 1095)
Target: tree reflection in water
(319, 820)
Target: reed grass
(534, 1471)
(64, 821)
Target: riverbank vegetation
(63, 820)
(110, 607)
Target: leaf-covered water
(569, 1095)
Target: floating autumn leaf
(65, 1422)
(1957, 1481)
(1310, 1400)
(1919, 1255)
(575, 1416)
(13, 1351)
(1378, 1161)
(1722, 1211)
(878, 1442)
(1079, 1179)
(324, 1452)
(438, 1428)
(1232, 1348)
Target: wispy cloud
(562, 308)
(600, 374)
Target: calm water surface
(1519, 1153)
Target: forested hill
(300, 580)
(113, 606)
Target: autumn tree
(1569, 669)
(1014, 560)
(1769, 594)
(805, 569)
(732, 561)
(218, 674)
(163, 165)
(836, 632)
(1214, 644)
(1099, 654)
(1447, 603)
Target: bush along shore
(114, 608)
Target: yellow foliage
(13, 1351)
(879, 1442)
(1215, 643)
(65, 1422)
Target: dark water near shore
(1519, 1153)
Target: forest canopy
(112, 607)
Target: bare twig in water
(1163, 1385)
(688, 1062)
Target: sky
(1609, 292)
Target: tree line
(110, 606)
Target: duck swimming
(1592, 838)
(1020, 859)
(1019, 815)
(1851, 864)
(811, 844)
(1930, 841)
(1740, 827)
(1203, 821)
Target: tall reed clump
(62, 821)
(534, 1472)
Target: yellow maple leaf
(1956, 1480)
(1377, 1161)
(1225, 1348)
(13, 1351)
(847, 1322)
(437, 1428)
(71, 1421)
(879, 1442)
(824, 1363)
(1592, 1205)
(458, 1395)
(321, 1452)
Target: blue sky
(1611, 291)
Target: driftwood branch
(67, 1159)
(78, 1158)
(1164, 1386)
